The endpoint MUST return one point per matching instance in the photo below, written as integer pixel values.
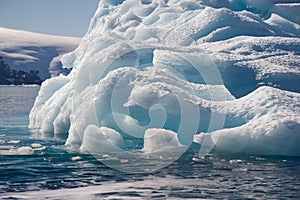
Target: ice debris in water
(76, 158)
(10, 150)
(224, 74)
(36, 145)
(13, 142)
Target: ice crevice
(156, 76)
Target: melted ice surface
(224, 74)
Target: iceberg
(158, 76)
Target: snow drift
(166, 74)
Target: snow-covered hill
(27, 51)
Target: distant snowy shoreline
(25, 51)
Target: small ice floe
(240, 170)
(40, 149)
(76, 158)
(6, 147)
(235, 161)
(124, 161)
(36, 145)
(11, 150)
(25, 150)
(196, 159)
(13, 142)
(259, 158)
(48, 159)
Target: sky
(56, 17)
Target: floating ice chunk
(13, 142)
(160, 140)
(10, 150)
(76, 158)
(100, 140)
(235, 161)
(25, 151)
(36, 145)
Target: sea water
(37, 167)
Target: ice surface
(263, 122)
(224, 74)
(101, 140)
(160, 140)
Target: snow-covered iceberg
(156, 76)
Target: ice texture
(167, 74)
(101, 140)
(156, 140)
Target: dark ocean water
(33, 167)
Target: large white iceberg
(166, 74)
